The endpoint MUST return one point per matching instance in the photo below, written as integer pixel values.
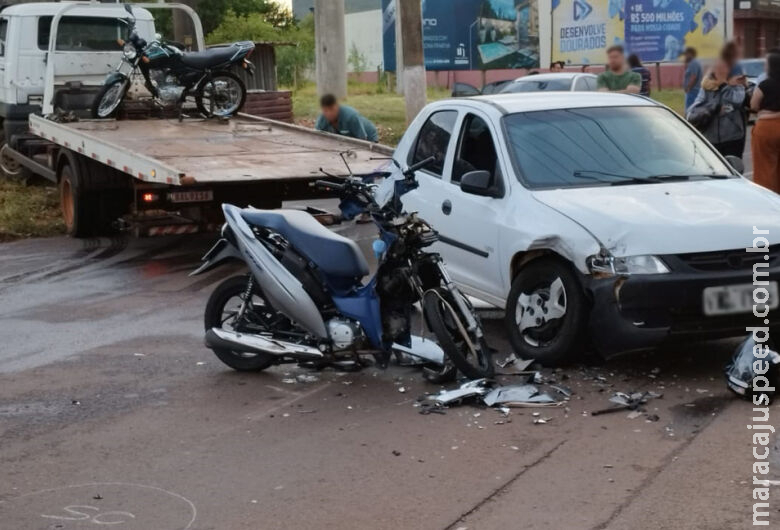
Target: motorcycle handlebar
(328, 184)
(419, 165)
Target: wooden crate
(276, 105)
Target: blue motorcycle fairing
(362, 305)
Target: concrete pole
(399, 52)
(331, 48)
(413, 69)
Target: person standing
(765, 142)
(718, 110)
(636, 66)
(692, 77)
(344, 120)
(617, 77)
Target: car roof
(39, 9)
(551, 76)
(531, 101)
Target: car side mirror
(463, 90)
(479, 183)
(736, 163)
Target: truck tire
(10, 168)
(547, 313)
(77, 209)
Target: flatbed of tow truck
(161, 176)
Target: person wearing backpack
(718, 109)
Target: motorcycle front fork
(460, 300)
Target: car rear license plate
(734, 299)
(191, 196)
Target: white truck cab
(86, 49)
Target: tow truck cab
(86, 49)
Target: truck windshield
(83, 34)
(607, 146)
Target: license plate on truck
(735, 299)
(191, 196)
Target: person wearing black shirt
(765, 142)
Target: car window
(476, 149)
(3, 35)
(538, 85)
(85, 34)
(568, 148)
(590, 82)
(434, 138)
(581, 84)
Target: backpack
(701, 116)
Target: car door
(434, 140)
(469, 230)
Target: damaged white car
(596, 219)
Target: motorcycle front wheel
(221, 96)
(469, 353)
(109, 99)
(222, 312)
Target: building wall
(364, 30)
(301, 8)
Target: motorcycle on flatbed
(304, 299)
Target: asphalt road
(112, 412)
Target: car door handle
(446, 207)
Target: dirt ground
(112, 412)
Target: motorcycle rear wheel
(221, 96)
(109, 99)
(221, 311)
(449, 325)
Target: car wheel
(547, 313)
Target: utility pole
(399, 52)
(331, 48)
(409, 16)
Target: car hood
(670, 218)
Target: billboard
(471, 34)
(656, 30)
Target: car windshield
(538, 85)
(607, 146)
(752, 68)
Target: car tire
(549, 339)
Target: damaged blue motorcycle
(305, 300)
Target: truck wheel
(10, 168)
(547, 313)
(76, 211)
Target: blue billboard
(471, 34)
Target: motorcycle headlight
(129, 51)
(627, 266)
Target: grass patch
(29, 211)
(672, 98)
(385, 109)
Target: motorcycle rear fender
(280, 286)
(222, 251)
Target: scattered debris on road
(632, 402)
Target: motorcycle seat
(334, 254)
(211, 57)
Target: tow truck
(155, 175)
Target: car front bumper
(642, 312)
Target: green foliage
(213, 13)
(356, 60)
(236, 27)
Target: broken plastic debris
(518, 395)
(307, 378)
(625, 401)
(513, 365)
(740, 372)
(466, 390)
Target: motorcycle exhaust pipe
(245, 342)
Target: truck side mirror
(736, 163)
(479, 183)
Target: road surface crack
(503, 487)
